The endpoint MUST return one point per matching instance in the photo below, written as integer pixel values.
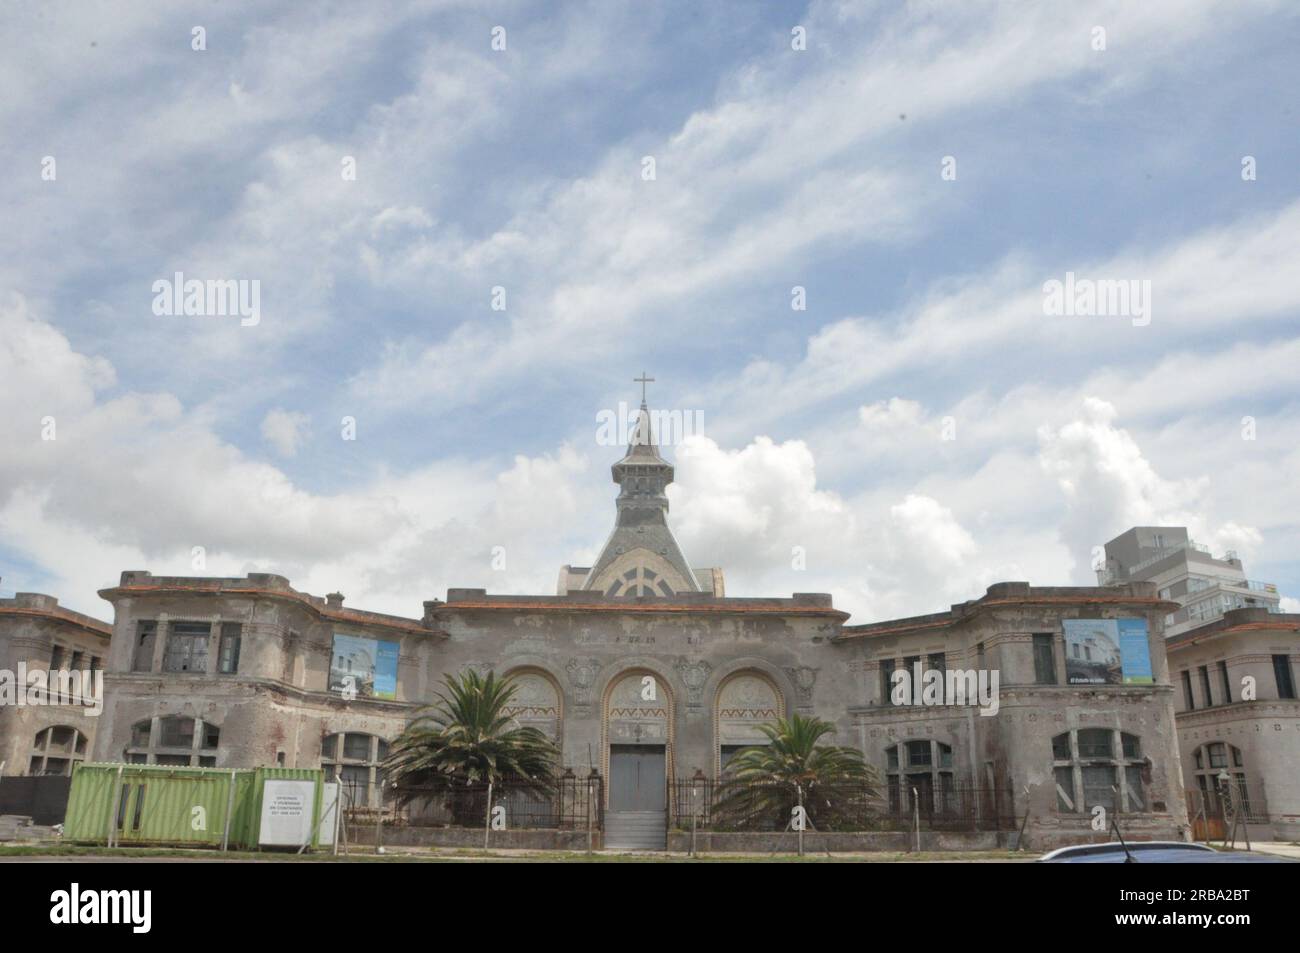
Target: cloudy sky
(920, 428)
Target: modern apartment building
(1234, 659)
(1204, 585)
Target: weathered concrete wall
(584, 645)
(1015, 744)
(31, 625)
(1265, 730)
(278, 704)
(837, 843)
(363, 835)
(585, 652)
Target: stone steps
(636, 830)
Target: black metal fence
(571, 803)
(729, 805)
(44, 799)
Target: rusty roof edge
(87, 622)
(342, 614)
(967, 610)
(1274, 622)
(679, 607)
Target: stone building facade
(1238, 719)
(1062, 749)
(642, 669)
(236, 673)
(45, 727)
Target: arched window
(923, 765)
(1213, 760)
(55, 750)
(356, 759)
(536, 702)
(1099, 767)
(745, 701)
(176, 740)
(640, 581)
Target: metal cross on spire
(643, 380)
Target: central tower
(641, 556)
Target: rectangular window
(1134, 794)
(177, 733)
(355, 779)
(918, 754)
(1099, 786)
(1282, 672)
(187, 647)
(1065, 796)
(1188, 698)
(1205, 686)
(145, 634)
(1227, 684)
(887, 681)
(139, 807)
(232, 634)
(910, 665)
(936, 662)
(1096, 743)
(56, 658)
(979, 656)
(1044, 660)
(1218, 755)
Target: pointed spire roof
(641, 448)
(641, 556)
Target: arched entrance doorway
(638, 759)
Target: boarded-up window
(1044, 660)
(146, 633)
(232, 635)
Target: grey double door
(637, 778)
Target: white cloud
(137, 481)
(794, 160)
(1109, 486)
(791, 159)
(285, 430)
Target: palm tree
(466, 738)
(762, 784)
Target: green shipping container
(174, 806)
